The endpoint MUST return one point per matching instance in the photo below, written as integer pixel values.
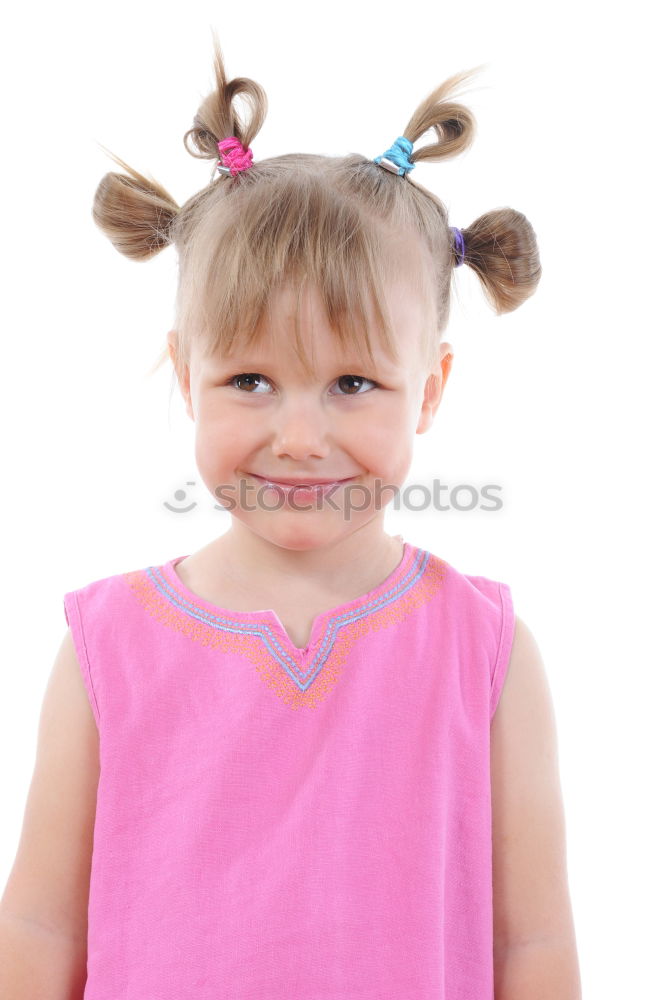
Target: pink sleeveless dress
(278, 823)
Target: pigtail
(216, 118)
(135, 212)
(453, 123)
(501, 247)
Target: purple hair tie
(458, 247)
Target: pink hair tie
(234, 157)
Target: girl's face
(260, 418)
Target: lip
(310, 483)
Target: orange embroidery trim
(299, 683)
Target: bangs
(287, 228)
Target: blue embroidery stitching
(265, 631)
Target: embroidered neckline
(170, 585)
(260, 636)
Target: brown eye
(246, 379)
(351, 382)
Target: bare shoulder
(49, 881)
(525, 688)
(530, 885)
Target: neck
(358, 561)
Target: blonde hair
(344, 223)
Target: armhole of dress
(505, 644)
(73, 617)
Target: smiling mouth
(302, 483)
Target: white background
(558, 402)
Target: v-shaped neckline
(170, 584)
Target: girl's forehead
(286, 303)
(299, 313)
(294, 320)
(278, 349)
(287, 312)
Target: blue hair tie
(396, 159)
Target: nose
(300, 429)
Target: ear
(434, 387)
(182, 371)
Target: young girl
(310, 761)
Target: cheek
(217, 448)
(385, 443)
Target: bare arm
(535, 951)
(44, 907)
(39, 964)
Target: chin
(302, 537)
